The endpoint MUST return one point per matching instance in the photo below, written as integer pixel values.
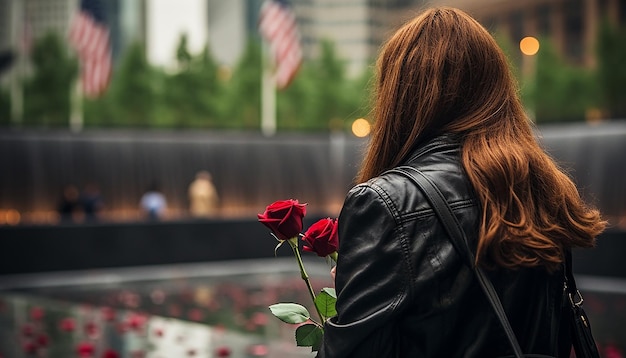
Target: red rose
(284, 218)
(321, 238)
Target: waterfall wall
(249, 170)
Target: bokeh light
(361, 127)
(529, 46)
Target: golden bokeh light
(12, 217)
(361, 127)
(529, 46)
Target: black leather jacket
(403, 290)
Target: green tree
(133, 90)
(563, 92)
(296, 108)
(612, 69)
(211, 87)
(243, 100)
(331, 86)
(47, 92)
(182, 53)
(191, 97)
(321, 97)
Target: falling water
(249, 170)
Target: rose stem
(293, 242)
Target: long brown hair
(442, 72)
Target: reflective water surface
(191, 310)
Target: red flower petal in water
(92, 330)
(195, 314)
(28, 329)
(29, 347)
(122, 327)
(284, 218)
(36, 313)
(43, 340)
(67, 324)
(109, 353)
(223, 352)
(259, 319)
(258, 350)
(108, 314)
(322, 238)
(136, 321)
(85, 349)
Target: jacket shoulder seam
(402, 237)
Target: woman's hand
(333, 271)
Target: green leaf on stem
(292, 313)
(309, 335)
(325, 302)
(330, 291)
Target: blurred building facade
(570, 25)
(22, 22)
(356, 27)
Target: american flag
(89, 35)
(277, 25)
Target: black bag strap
(582, 338)
(460, 243)
(570, 282)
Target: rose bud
(322, 238)
(284, 218)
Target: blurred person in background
(447, 109)
(153, 203)
(91, 201)
(68, 206)
(203, 198)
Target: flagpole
(76, 105)
(268, 95)
(17, 91)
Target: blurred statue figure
(153, 202)
(203, 198)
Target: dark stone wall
(30, 249)
(33, 249)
